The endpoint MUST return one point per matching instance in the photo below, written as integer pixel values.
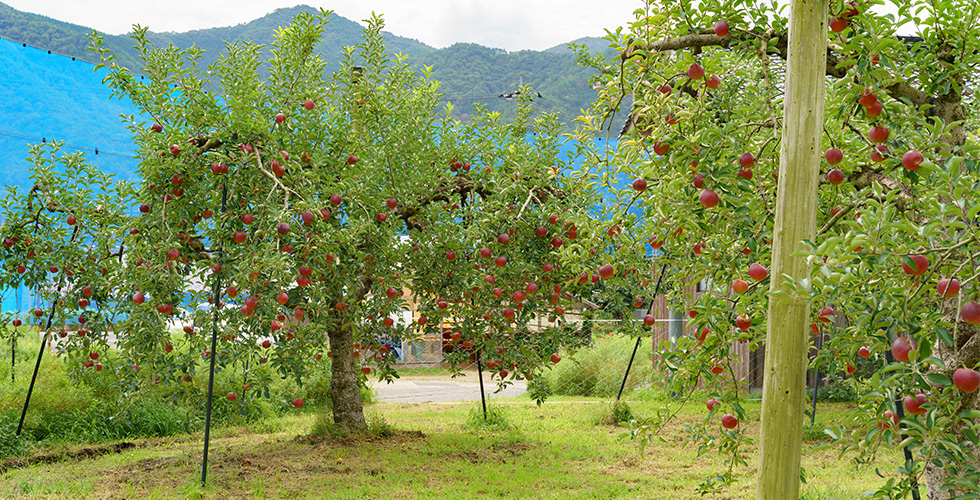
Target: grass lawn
(555, 451)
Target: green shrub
(538, 389)
(494, 420)
(10, 444)
(598, 370)
(837, 391)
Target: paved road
(422, 391)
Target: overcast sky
(507, 24)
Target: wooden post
(784, 385)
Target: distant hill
(468, 72)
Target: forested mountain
(468, 72)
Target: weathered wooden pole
(781, 435)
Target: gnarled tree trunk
(348, 411)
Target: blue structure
(46, 97)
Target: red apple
(838, 24)
(743, 322)
(912, 160)
(695, 72)
(698, 180)
(711, 404)
(640, 184)
(878, 134)
(746, 160)
(335, 199)
(713, 82)
(503, 239)
(660, 148)
(868, 100)
(721, 28)
(825, 312)
(966, 380)
(864, 352)
(835, 176)
(921, 265)
(298, 402)
(606, 270)
(555, 358)
(901, 348)
(729, 421)
(138, 298)
(351, 160)
(239, 237)
(913, 405)
(708, 198)
(758, 272)
(970, 313)
(891, 420)
(739, 286)
(948, 287)
(851, 369)
(833, 156)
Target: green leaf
(938, 379)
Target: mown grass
(437, 451)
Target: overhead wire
(74, 88)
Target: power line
(49, 51)
(44, 140)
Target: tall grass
(74, 404)
(598, 369)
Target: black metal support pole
(40, 354)
(816, 380)
(245, 378)
(900, 407)
(483, 393)
(37, 367)
(636, 346)
(216, 293)
(13, 357)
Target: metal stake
(483, 394)
(636, 346)
(216, 292)
(40, 354)
(816, 379)
(900, 406)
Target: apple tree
(893, 248)
(61, 239)
(285, 217)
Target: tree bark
(967, 352)
(781, 435)
(348, 411)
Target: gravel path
(448, 389)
